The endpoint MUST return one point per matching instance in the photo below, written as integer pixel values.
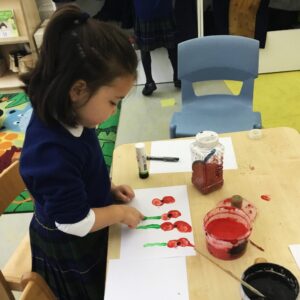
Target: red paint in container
(207, 177)
(227, 230)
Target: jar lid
(255, 134)
(139, 145)
(207, 139)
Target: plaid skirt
(74, 267)
(156, 33)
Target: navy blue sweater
(66, 175)
(151, 9)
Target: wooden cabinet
(27, 19)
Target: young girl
(84, 69)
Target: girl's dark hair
(75, 47)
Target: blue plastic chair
(221, 57)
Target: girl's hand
(131, 216)
(122, 193)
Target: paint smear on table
(265, 197)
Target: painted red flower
(172, 244)
(183, 226)
(165, 217)
(171, 214)
(184, 242)
(157, 202)
(166, 226)
(174, 214)
(168, 199)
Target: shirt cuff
(80, 228)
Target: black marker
(163, 158)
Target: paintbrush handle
(244, 283)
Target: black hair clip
(83, 17)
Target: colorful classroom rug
(277, 97)
(15, 111)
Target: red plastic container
(227, 230)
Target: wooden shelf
(27, 20)
(14, 40)
(10, 81)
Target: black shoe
(177, 83)
(149, 88)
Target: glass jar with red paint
(207, 162)
(227, 230)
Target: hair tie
(83, 17)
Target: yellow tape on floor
(167, 102)
(277, 97)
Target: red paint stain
(226, 229)
(265, 197)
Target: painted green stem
(152, 218)
(155, 244)
(153, 226)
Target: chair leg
(257, 126)
(172, 131)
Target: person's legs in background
(172, 52)
(150, 85)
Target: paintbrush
(244, 283)
(255, 245)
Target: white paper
(134, 241)
(295, 249)
(150, 279)
(181, 149)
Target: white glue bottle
(142, 160)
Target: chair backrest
(32, 285)
(220, 57)
(11, 185)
